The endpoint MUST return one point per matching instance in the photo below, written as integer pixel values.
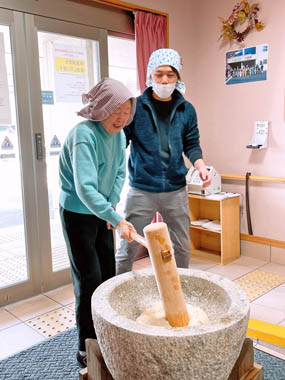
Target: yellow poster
(71, 73)
(70, 65)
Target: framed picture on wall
(248, 64)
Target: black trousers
(90, 247)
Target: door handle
(39, 146)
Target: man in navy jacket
(164, 127)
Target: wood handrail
(263, 240)
(239, 177)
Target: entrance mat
(54, 359)
(274, 368)
(258, 283)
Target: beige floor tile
(32, 307)
(137, 266)
(272, 299)
(274, 268)
(250, 262)
(266, 314)
(231, 271)
(200, 264)
(7, 320)
(271, 349)
(281, 289)
(63, 295)
(143, 263)
(18, 338)
(54, 322)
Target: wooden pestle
(167, 279)
(139, 239)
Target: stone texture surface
(135, 351)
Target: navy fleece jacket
(145, 167)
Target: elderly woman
(164, 127)
(92, 172)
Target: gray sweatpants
(140, 208)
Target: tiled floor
(31, 321)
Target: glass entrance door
(41, 81)
(13, 254)
(20, 268)
(71, 59)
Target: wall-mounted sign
(247, 64)
(260, 135)
(47, 97)
(71, 73)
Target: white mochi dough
(155, 316)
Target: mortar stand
(244, 368)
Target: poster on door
(5, 109)
(247, 65)
(71, 73)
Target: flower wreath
(241, 12)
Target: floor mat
(54, 359)
(258, 283)
(273, 367)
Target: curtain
(150, 32)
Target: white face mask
(163, 91)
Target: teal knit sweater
(92, 171)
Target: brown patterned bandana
(104, 98)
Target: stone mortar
(133, 351)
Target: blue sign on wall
(47, 97)
(250, 50)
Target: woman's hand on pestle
(110, 227)
(124, 228)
